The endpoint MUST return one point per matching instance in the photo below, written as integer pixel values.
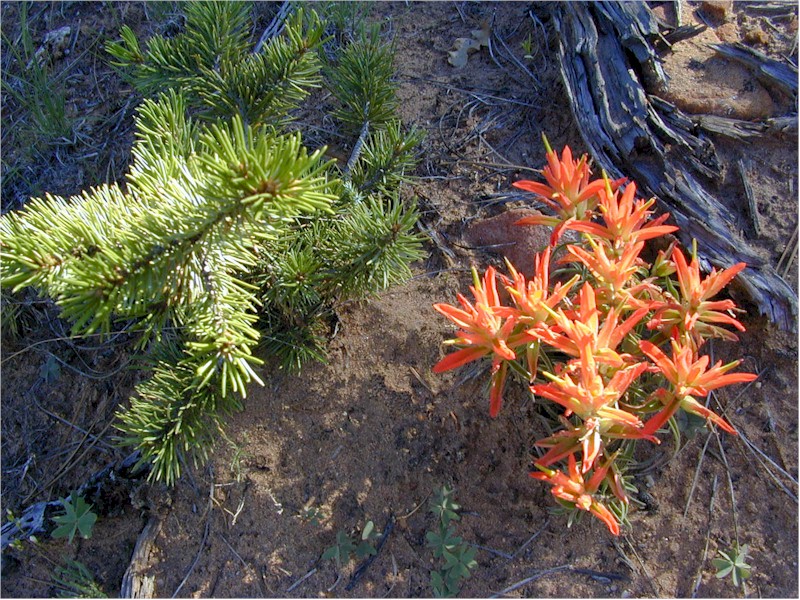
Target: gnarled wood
(606, 54)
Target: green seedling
(77, 517)
(74, 580)
(345, 547)
(527, 47)
(458, 557)
(444, 507)
(310, 515)
(50, 370)
(733, 563)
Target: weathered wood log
(606, 57)
(788, 8)
(136, 583)
(772, 73)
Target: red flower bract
(573, 490)
(483, 332)
(690, 376)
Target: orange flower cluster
(612, 384)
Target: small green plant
(77, 517)
(733, 562)
(50, 369)
(310, 515)
(19, 525)
(74, 580)
(527, 47)
(458, 557)
(346, 547)
(35, 89)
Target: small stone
(717, 9)
(757, 36)
(517, 243)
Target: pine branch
(230, 231)
(387, 159)
(362, 81)
(169, 417)
(215, 32)
(211, 63)
(372, 246)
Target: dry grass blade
(75, 427)
(301, 580)
(734, 512)
(788, 256)
(696, 475)
(72, 461)
(512, 57)
(651, 582)
(530, 539)
(765, 462)
(275, 26)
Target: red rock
(518, 243)
(717, 9)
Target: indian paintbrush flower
(568, 191)
(625, 220)
(694, 313)
(690, 377)
(586, 333)
(483, 332)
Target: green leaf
(365, 549)
(77, 517)
(368, 531)
(438, 585)
(331, 553)
(444, 507)
(733, 562)
(50, 370)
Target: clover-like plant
(733, 562)
(77, 518)
(457, 556)
(346, 546)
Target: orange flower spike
(533, 298)
(588, 397)
(690, 377)
(483, 332)
(585, 324)
(625, 221)
(696, 292)
(568, 188)
(572, 489)
(568, 191)
(612, 272)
